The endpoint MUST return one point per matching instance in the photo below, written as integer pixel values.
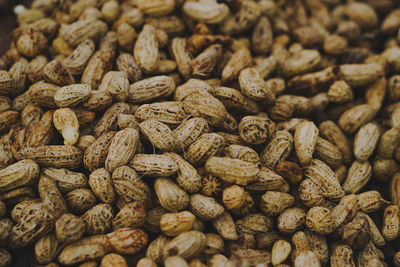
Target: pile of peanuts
(201, 133)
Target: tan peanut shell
(278, 149)
(154, 165)
(232, 170)
(96, 154)
(131, 215)
(305, 139)
(171, 197)
(122, 148)
(101, 185)
(206, 146)
(173, 224)
(146, 49)
(186, 245)
(98, 219)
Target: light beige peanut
(187, 245)
(206, 146)
(77, 32)
(357, 176)
(62, 156)
(122, 148)
(175, 261)
(31, 43)
(155, 248)
(101, 62)
(89, 248)
(360, 74)
(225, 226)
(154, 165)
(146, 49)
(110, 11)
(77, 60)
(187, 176)
(301, 62)
(159, 134)
(43, 131)
(332, 132)
(234, 99)
(66, 122)
(101, 185)
(128, 120)
(181, 56)
(280, 251)
(232, 170)
(192, 86)
(376, 93)
(85, 141)
(366, 140)
(113, 259)
(207, 11)
(391, 223)
(188, 131)
(204, 207)
(375, 233)
(173, 224)
(129, 186)
(171, 197)
(51, 197)
(362, 14)
(18, 174)
(203, 104)
(30, 115)
(328, 152)
(388, 143)
(320, 220)
(35, 68)
(242, 152)
(146, 262)
(305, 139)
(116, 84)
(253, 86)
(42, 94)
(325, 178)
(171, 113)
(66, 180)
(151, 88)
(340, 92)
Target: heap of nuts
(174, 133)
